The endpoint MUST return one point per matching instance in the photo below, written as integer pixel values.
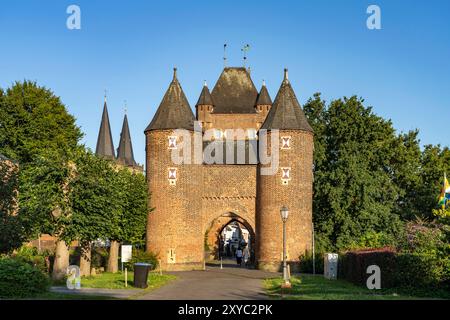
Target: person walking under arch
(239, 256)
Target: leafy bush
(306, 263)
(142, 256)
(423, 238)
(32, 256)
(372, 239)
(420, 270)
(19, 279)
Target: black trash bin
(141, 274)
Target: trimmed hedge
(353, 265)
(398, 270)
(19, 279)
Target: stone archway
(215, 228)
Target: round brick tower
(174, 230)
(290, 185)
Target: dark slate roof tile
(234, 92)
(286, 112)
(205, 97)
(263, 97)
(174, 111)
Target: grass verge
(310, 287)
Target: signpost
(125, 256)
(126, 253)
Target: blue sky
(130, 48)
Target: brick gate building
(193, 202)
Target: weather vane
(245, 49)
(125, 106)
(224, 55)
(105, 94)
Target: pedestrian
(239, 256)
(246, 256)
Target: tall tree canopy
(366, 177)
(33, 120)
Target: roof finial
(204, 83)
(105, 95)
(264, 83)
(225, 55)
(175, 73)
(286, 74)
(125, 106)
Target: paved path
(229, 283)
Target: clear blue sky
(130, 47)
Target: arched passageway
(226, 234)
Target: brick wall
(296, 195)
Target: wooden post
(126, 277)
(160, 268)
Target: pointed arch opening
(225, 235)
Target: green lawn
(62, 296)
(309, 287)
(117, 281)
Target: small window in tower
(172, 176)
(172, 142)
(286, 142)
(285, 175)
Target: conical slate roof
(286, 112)
(125, 151)
(263, 97)
(205, 97)
(174, 111)
(105, 146)
(234, 92)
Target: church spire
(105, 146)
(174, 111)
(125, 151)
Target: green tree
(33, 120)
(435, 162)
(355, 196)
(11, 235)
(93, 203)
(130, 223)
(44, 203)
